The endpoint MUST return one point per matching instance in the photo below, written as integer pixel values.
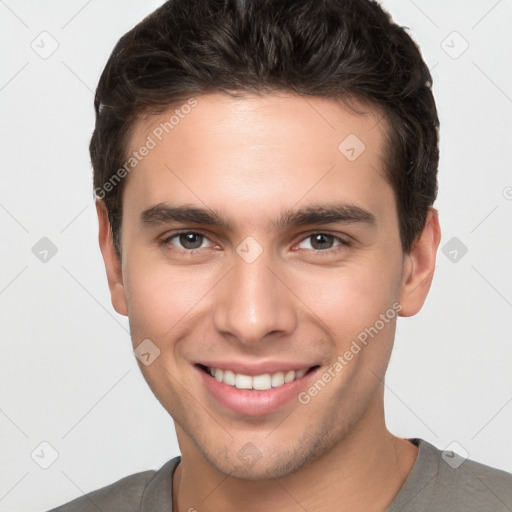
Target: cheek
(350, 297)
(360, 307)
(156, 299)
(162, 298)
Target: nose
(255, 303)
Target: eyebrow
(316, 214)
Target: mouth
(254, 395)
(260, 382)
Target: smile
(269, 387)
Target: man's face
(266, 289)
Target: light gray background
(68, 375)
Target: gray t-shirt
(439, 482)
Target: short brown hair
(335, 49)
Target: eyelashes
(325, 236)
(192, 242)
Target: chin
(249, 463)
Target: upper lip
(253, 369)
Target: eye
(189, 240)
(321, 242)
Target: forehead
(270, 151)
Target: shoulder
(124, 495)
(473, 485)
(445, 480)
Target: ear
(419, 266)
(112, 263)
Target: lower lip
(253, 402)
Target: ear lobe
(419, 266)
(112, 263)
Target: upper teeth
(259, 382)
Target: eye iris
(191, 240)
(321, 241)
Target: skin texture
(251, 159)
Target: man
(265, 173)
